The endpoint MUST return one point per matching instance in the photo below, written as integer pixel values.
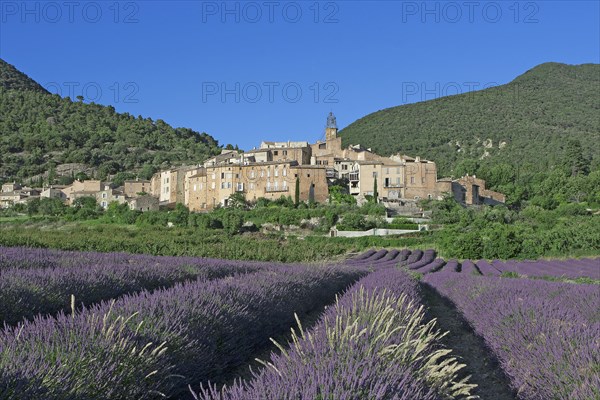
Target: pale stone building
(143, 203)
(109, 195)
(54, 192)
(133, 188)
(471, 190)
(214, 185)
(78, 189)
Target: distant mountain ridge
(42, 134)
(525, 121)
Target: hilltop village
(273, 170)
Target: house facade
(134, 188)
(143, 203)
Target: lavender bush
(373, 344)
(545, 334)
(34, 281)
(573, 269)
(148, 345)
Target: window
(104, 204)
(387, 171)
(268, 185)
(103, 195)
(308, 175)
(412, 179)
(213, 185)
(345, 167)
(251, 185)
(252, 174)
(213, 175)
(422, 180)
(284, 152)
(275, 153)
(194, 187)
(276, 172)
(398, 171)
(201, 185)
(222, 175)
(284, 172)
(269, 173)
(262, 173)
(285, 185)
(276, 185)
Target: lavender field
(121, 326)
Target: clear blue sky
(235, 69)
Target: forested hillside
(13, 79)
(545, 124)
(526, 121)
(40, 131)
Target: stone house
(53, 192)
(214, 185)
(143, 203)
(110, 195)
(133, 188)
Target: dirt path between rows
(483, 367)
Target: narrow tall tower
(331, 128)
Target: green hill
(533, 122)
(40, 132)
(13, 79)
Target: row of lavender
(41, 281)
(546, 335)
(570, 269)
(153, 344)
(426, 262)
(417, 260)
(373, 343)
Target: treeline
(573, 181)
(501, 233)
(239, 217)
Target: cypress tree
(375, 192)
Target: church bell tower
(331, 128)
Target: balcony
(276, 189)
(393, 185)
(331, 173)
(353, 176)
